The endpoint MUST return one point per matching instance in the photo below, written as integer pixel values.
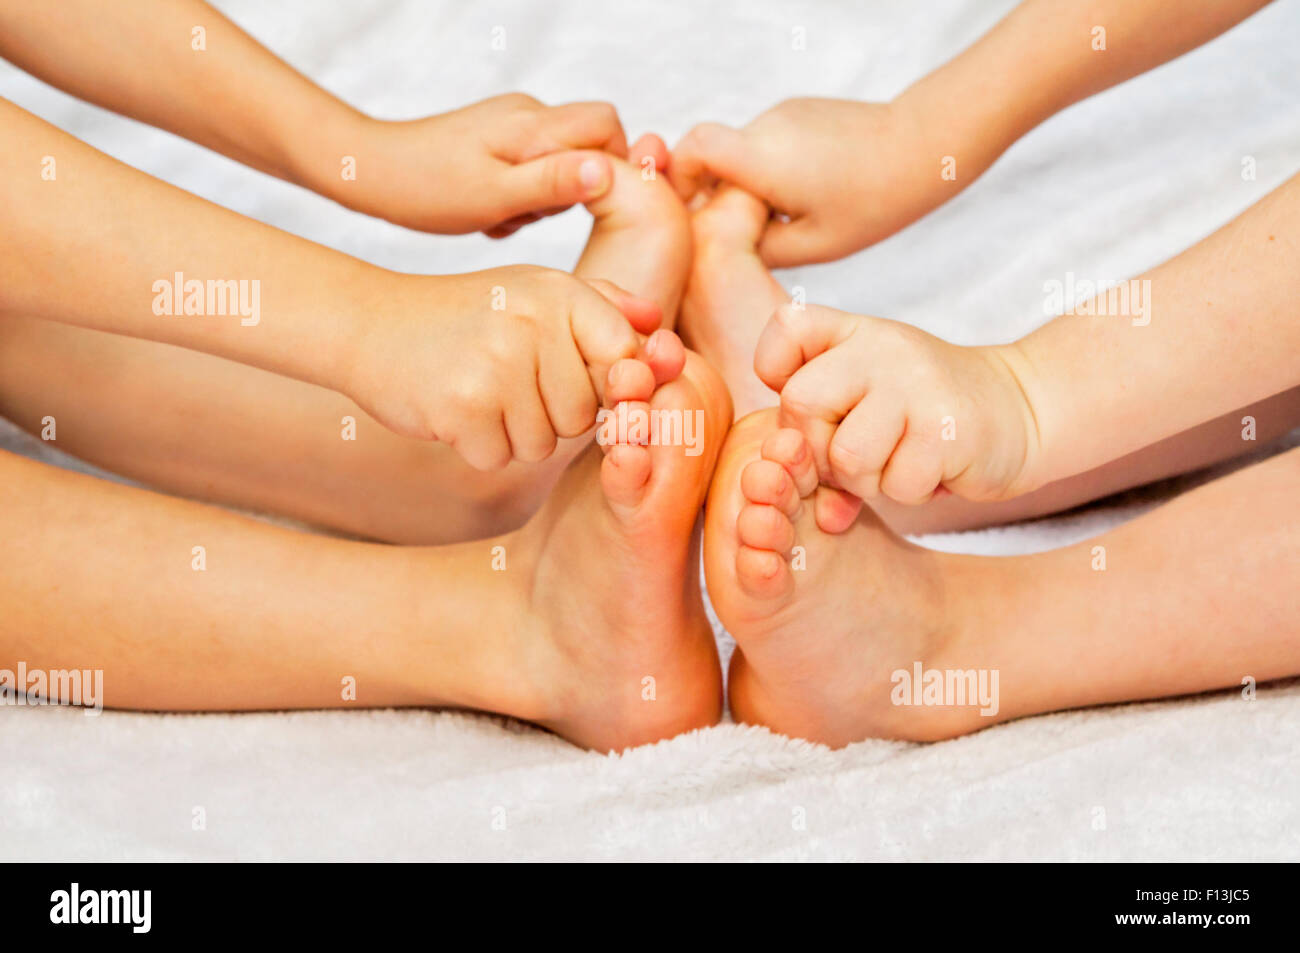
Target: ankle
(983, 603)
(467, 630)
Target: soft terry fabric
(1107, 189)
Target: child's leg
(588, 619)
(212, 429)
(1194, 596)
(188, 607)
(732, 294)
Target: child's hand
(492, 166)
(846, 174)
(497, 363)
(890, 409)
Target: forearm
(100, 245)
(1208, 331)
(1042, 58)
(139, 58)
(210, 429)
(1205, 445)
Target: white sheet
(1105, 190)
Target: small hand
(889, 409)
(498, 363)
(492, 166)
(839, 174)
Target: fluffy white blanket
(1105, 190)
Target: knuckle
(525, 273)
(485, 449)
(501, 346)
(907, 483)
(846, 461)
(796, 403)
(601, 286)
(694, 138)
(495, 460)
(788, 316)
(577, 417)
(605, 112)
(537, 448)
(551, 280)
(468, 394)
(517, 100)
(555, 177)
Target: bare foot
(620, 651)
(817, 646)
(731, 294)
(641, 236)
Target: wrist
(1030, 412)
(369, 298)
(327, 153)
(967, 111)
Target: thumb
(555, 181)
(793, 243)
(644, 314)
(793, 336)
(714, 151)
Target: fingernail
(652, 345)
(592, 176)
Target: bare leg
(1194, 596)
(211, 429)
(731, 295)
(587, 620)
(101, 576)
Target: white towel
(1105, 190)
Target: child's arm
(890, 409)
(495, 363)
(849, 174)
(233, 434)
(1218, 329)
(486, 166)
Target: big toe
(731, 220)
(649, 154)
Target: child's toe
(625, 473)
(665, 354)
(790, 449)
(765, 527)
(629, 379)
(766, 481)
(762, 574)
